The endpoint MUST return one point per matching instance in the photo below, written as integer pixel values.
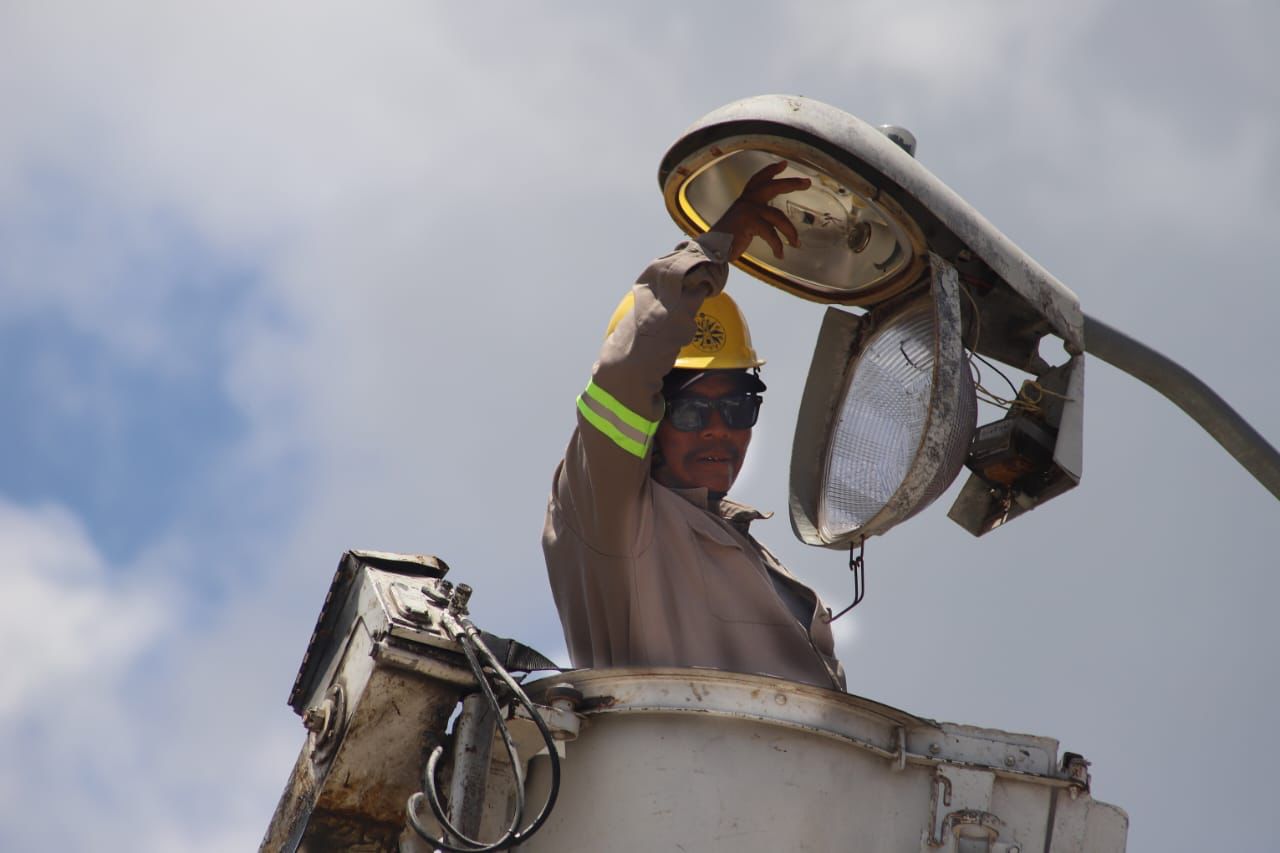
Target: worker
(650, 563)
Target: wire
(429, 784)
(547, 737)
(1022, 399)
(984, 394)
(977, 317)
(1000, 373)
(903, 349)
(473, 647)
(857, 565)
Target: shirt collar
(739, 515)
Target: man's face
(710, 457)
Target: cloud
(74, 633)
(69, 622)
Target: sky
(282, 279)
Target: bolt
(563, 696)
(1008, 761)
(459, 599)
(903, 138)
(934, 749)
(316, 719)
(438, 591)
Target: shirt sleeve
(602, 488)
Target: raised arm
(602, 490)
(602, 487)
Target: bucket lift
(632, 759)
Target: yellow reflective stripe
(628, 417)
(597, 408)
(635, 448)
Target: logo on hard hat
(710, 335)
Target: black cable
(429, 776)
(999, 372)
(470, 641)
(548, 738)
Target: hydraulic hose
(474, 647)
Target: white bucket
(700, 760)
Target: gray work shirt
(645, 575)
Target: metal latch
(960, 819)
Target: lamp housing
(887, 415)
(877, 230)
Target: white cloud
(74, 631)
(68, 623)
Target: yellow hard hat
(722, 340)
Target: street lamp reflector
(856, 246)
(881, 423)
(887, 416)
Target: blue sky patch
(124, 435)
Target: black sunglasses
(689, 414)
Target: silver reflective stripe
(623, 427)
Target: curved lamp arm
(1191, 395)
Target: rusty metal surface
(330, 619)
(473, 736)
(376, 691)
(980, 508)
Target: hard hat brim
(748, 381)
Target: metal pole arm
(1191, 395)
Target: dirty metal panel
(375, 705)
(992, 748)
(335, 613)
(1024, 811)
(981, 507)
(617, 691)
(393, 728)
(1081, 824)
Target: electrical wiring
(1022, 399)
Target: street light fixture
(889, 395)
(881, 233)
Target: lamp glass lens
(880, 422)
(848, 243)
